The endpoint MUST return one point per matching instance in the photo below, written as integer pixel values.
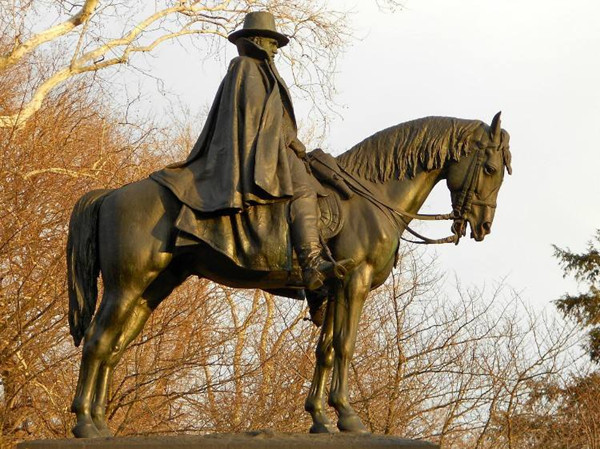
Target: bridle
(465, 198)
(464, 202)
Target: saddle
(325, 169)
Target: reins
(363, 191)
(463, 205)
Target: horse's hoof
(322, 428)
(351, 424)
(102, 428)
(85, 430)
(105, 432)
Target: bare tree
(102, 34)
(71, 146)
(453, 370)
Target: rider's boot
(314, 267)
(305, 236)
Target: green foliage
(584, 308)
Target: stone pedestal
(250, 440)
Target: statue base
(250, 440)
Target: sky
(537, 61)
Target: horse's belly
(206, 262)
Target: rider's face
(267, 44)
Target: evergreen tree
(583, 307)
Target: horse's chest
(383, 262)
(382, 251)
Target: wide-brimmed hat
(259, 23)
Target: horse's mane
(398, 151)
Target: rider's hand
(298, 148)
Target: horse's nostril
(487, 226)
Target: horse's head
(474, 180)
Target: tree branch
(50, 34)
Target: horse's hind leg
(100, 340)
(132, 328)
(162, 286)
(324, 361)
(135, 226)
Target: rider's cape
(240, 158)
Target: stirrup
(315, 276)
(338, 268)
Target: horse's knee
(101, 347)
(343, 348)
(324, 354)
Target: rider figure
(249, 151)
(259, 31)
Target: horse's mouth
(477, 237)
(480, 230)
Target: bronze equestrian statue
(221, 216)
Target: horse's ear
(496, 129)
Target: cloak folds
(240, 160)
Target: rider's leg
(304, 220)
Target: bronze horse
(127, 234)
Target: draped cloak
(240, 160)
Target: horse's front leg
(315, 403)
(348, 307)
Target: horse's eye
(489, 169)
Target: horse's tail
(83, 266)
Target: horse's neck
(409, 194)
